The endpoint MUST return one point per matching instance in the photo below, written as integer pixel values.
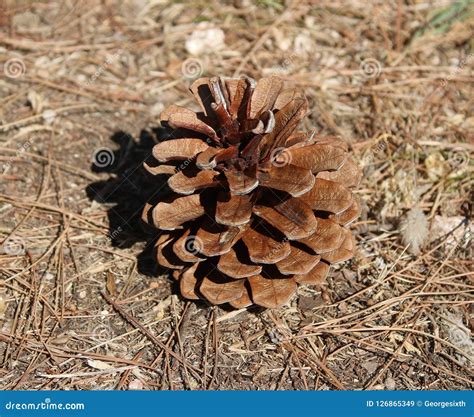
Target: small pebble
(390, 384)
(135, 385)
(49, 116)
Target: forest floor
(81, 305)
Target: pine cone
(255, 208)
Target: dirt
(82, 303)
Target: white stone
(205, 40)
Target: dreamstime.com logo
(370, 68)
(14, 68)
(46, 404)
(103, 157)
(192, 244)
(13, 246)
(192, 68)
(102, 333)
(280, 157)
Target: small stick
(147, 333)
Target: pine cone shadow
(127, 190)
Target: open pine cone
(255, 208)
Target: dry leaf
(96, 364)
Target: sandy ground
(82, 305)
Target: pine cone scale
(178, 149)
(299, 261)
(295, 219)
(237, 266)
(328, 196)
(263, 248)
(233, 209)
(271, 292)
(171, 216)
(220, 290)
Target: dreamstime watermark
(14, 68)
(21, 149)
(102, 333)
(444, 82)
(103, 157)
(115, 233)
(268, 258)
(459, 160)
(280, 157)
(370, 68)
(102, 68)
(184, 164)
(111, 236)
(192, 68)
(193, 245)
(466, 239)
(46, 404)
(459, 336)
(380, 145)
(289, 63)
(13, 246)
